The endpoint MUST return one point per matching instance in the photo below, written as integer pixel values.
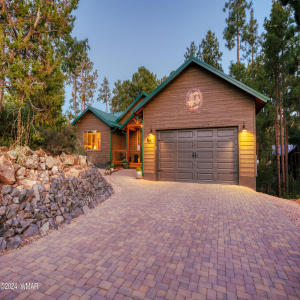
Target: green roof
(109, 118)
(209, 68)
(130, 106)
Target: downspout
(137, 118)
(111, 142)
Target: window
(92, 140)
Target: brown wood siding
(118, 141)
(128, 114)
(91, 122)
(224, 105)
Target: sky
(126, 34)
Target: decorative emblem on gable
(193, 99)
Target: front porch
(133, 151)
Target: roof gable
(132, 104)
(107, 118)
(206, 66)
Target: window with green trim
(92, 140)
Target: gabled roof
(109, 118)
(206, 66)
(129, 107)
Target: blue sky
(126, 34)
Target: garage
(198, 155)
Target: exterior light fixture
(151, 132)
(244, 128)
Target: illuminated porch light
(244, 128)
(151, 132)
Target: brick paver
(164, 240)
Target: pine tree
(31, 35)
(104, 93)
(235, 23)
(126, 92)
(209, 51)
(190, 51)
(277, 52)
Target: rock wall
(39, 198)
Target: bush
(138, 169)
(58, 141)
(266, 178)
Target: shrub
(125, 161)
(266, 178)
(138, 169)
(58, 141)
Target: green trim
(209, 68)
(111, 142)
(129, 107)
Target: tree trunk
(82, 91)
(277, 153)
(286, 156)
(238, 46)
(75, 92)
(1, 93)
(282, 146)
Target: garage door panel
(205, 177)
(216, 159)
(185, 176)
(226, 132)
(204, 144)
(184, 145)
(204, 154)
(205, 133)
(185, 134)
(166, 164)
(167, 146)
(184, 155)
(204, 165)
(185, 165)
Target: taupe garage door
(198, 155)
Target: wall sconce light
(151, 132)
(244, 128)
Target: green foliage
(104, 93)
(235, 22)
(58, 141)
(138, 169)
(191, 51)
(112, 165)
(125, 161)
(126, 92)
(295, 4)
(266, 178)
(209, 51)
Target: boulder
(31, 162)
(68, 160)
(73, 172)
(3, 158)
(50, 162)
(14, 242)
(2, 241)
(32, 230)
(45, 227)
(7, 172)
(2, 210)
(7, 189)
(28, 183)
(82, 160)
(59, 219)
(21, 172)
(9, 233)
(12, 154)
(85, 209)
(36, 192)
(43, 165)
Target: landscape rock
(2, 241)
(7, 189)
(50, 162)
(12, 154)
(28, 183)
(21, 172)
(67, 159)
(7, 172)
(59, 219)
(3, 149)
(31, 162)
(45, 227)
(32, 230)
(14, 242)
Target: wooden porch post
(127, 144)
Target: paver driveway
(161, 240)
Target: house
(196, 126)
